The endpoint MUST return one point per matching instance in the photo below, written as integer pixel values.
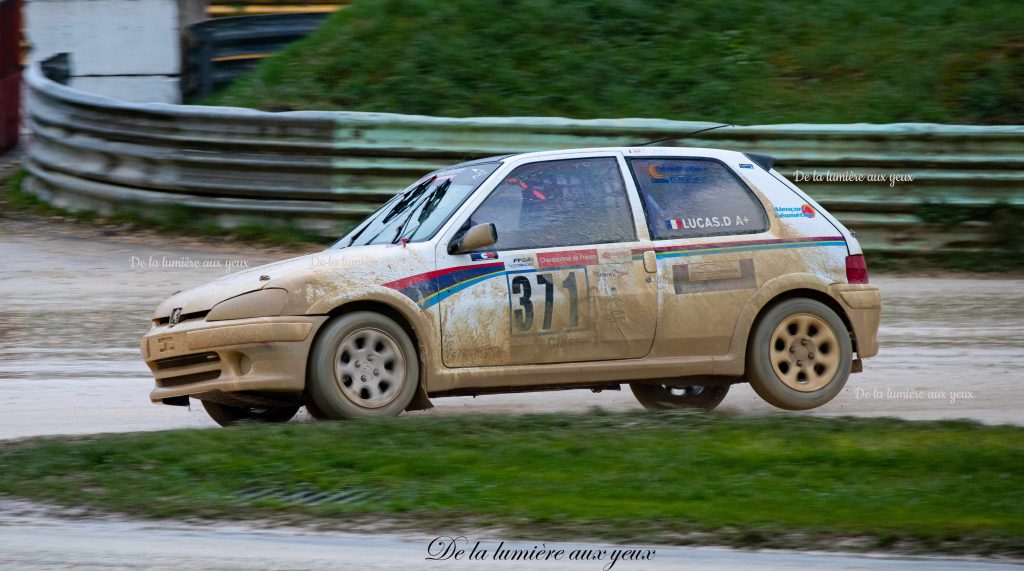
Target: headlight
(260, 303)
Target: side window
(691, 198)
(559, 203)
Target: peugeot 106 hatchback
(677, 271)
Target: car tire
(667, 397)
(363, 364)
(799, 355)
(225, 415)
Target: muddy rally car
(677, 271)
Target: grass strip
(776, 480)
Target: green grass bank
(737, 61)
(778, 480)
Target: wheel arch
(817, 295)
(773, 292)
(412, 328)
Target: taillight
(856, 269)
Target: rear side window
(692, 198)
(559, 203)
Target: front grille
(187, 379)
(184, 317)
(186, 360)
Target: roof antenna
(676, 137)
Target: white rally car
(679, 271)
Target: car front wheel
(800, 355)
(363, 364)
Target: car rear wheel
(225, 415)
(800, 355)
(667, 397)
(363, 364)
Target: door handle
(650, 261)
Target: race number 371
(551, 301)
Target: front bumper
(863, 305)
(259, 354)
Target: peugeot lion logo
(175, 317)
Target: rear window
(692, 198)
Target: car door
(566, 279)
(714, 248)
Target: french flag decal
(483, 256)
(675, 224)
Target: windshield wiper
(407, 199)
(428, 208)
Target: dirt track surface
(32, 539)
(76, 303)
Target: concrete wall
(127, 49)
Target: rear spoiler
(763, 161)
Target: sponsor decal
(701, 222)
(746, 166)
(611, 274)
(521, 263)
(615, 256)
(805, 211)
(567, 259)
(714, 276)
(677, 174)
(730, 247)
(476, 256)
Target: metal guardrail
(218, 51)
(324, 168)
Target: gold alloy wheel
(369, 368)
(805, 352)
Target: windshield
(418, 212)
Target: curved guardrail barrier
(322, 168)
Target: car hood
(307, 277)
(204, 297)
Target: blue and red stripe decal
(745, 246)
(431, 287)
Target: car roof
(722, 154)
(494, 159)
(637, 151)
